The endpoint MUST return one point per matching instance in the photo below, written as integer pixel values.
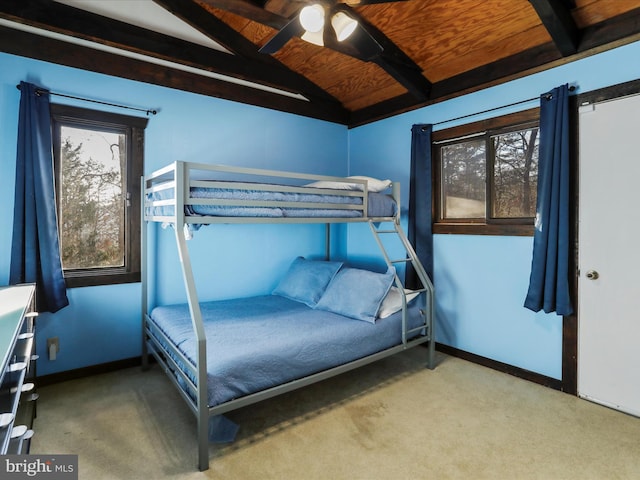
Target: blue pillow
(306, 280)
(357, 293)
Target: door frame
(570, 322)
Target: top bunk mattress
(260, 342)
(245, 202)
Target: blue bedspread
(259, 342)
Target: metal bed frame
(181, 176)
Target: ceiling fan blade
(291, 29)
(365, 44)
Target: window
(98, 165)
(486, 176)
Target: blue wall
(481, 282)
(102, 324)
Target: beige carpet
(393, 419)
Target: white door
(609, 254)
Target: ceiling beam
(214, 28)
(248, 9)
(624, 27)
(209, 25)
(468, 82)
(413, 80)
(395, 61)
(30, 45)
(284, 8)
(557, 19)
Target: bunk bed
(227, 354)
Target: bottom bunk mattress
(259, 342)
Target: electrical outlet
(53, 347)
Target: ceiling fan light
(344, 25)
(312, 18)
(317, 38)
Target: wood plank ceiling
(426, 50)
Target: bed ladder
(428, 312)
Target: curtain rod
(571, 89)
(41, 90)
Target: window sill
(507, 230)
(97, 280)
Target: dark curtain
(35, 251)
(549, 281)
(420, 186)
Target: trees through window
(98, 164)
(486, 176)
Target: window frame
(133, 128)
(481, 129)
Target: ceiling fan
(329, 22)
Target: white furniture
(17, 370)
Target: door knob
(592, 275)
